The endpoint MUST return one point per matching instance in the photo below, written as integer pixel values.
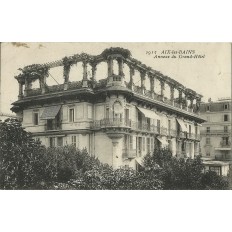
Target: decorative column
(42, 81)
(185, 101)
(110, 66)
(162, 89)
(142, 76)
(94, 69)
(172, 89)
(180, 98)
(20, 90)
(191, 103)
(85, 79)
(120, 67)
(26, 87)
(132, 73)
(198, 101)
(66, 71)
(152, 85)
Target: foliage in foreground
(26, 164)
(183, 174)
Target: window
(126, 116)
(90, 112)
(216, 169)
(207, 153)
(59, 141)
(225, 128)
(225, 140)
(143, 144)
(208, 118)
(207, 108)
(36, 118)
(74, 140)
(71, 115)
(52, 141)
(183, 146)
(148, 145)
(226, 118)
(107, 112)
(190, 129)
(207, 129)
(226, 107)
(207, 140)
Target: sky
(209, 75)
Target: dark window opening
(36, 118)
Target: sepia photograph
(115, 116)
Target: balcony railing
(172, 133)
(225, 144)
(215, 132)
(53, 126)
(142, 127)
(111, 122)
(127, 153)
(182, 135)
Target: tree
(21, 165)
(182, 173)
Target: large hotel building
(119, 117)
(216, 135)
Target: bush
(182, 173)
(21, 162)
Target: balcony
(182, 135)
(172, 133)
(197, 137)
(225, 144)
(111, 122)
(53, 126)
(127, 153)
(215, 132)
(191, 136)
(141, 127)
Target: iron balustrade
(225, 144)
(53, 126)
(172, 133)
(117, 78)
(182, 135)
(111, 122)
(127, 153)
(140, 126)
(197, 137)
(214, 132)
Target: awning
(148, 113)
(182, 125)
(139, 160)
(163, 141)
(50, 112)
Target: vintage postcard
(115, 116)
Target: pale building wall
(103, 148)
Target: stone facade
(116, 120)
(216, 131)
(216, 135)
